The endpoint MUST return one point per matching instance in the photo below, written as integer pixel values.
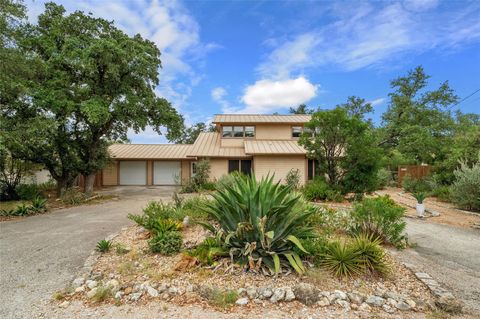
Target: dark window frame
(237, 165)
(299, 133)
(232, 131)
(223, 131)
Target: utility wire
(471, 94)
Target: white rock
(80, 289)
(92, 293)
(119, 295)
(265, 292)
(289, 295)
(173, 290)
(364, 307)
(324, 302)
(278, 295)
(411, 303)
(355, 298)
(392, 302)
(402, 305)
(242, 301)
(388, 309)
(241, 292)
(64, 304)
(78, 282)
(375, 301)
(113, 285)
(345, 304)
(91, 284)
(252, 293)
(152, 291)
(136, 296)
(340, 295)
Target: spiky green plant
(39, 205)
(165, 225)
(342, 259)
(419, 196)
(22, 210)
(104, 246)
(260, 223)
(210, 249)
(371, 254)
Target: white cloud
(218, 95)
(372, 36)
(378, 101)
(266, 96)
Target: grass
(59, 295)
(222, 298)
(9, 205)
(102, 294)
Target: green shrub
(192, 207)
(316, 247)
(293, 179)
(381, 218)
(121, 249)
(208, 251)
(102, 294)
(371, 254)
(28, 191)
(220, 298)
(465, 190)
(165, 225)
(199, 181)
(39, 205)
(260, 221)
(384, 178)
(166, 243)
(341, 259)
(332, 195)
(104, 246)
(153, 212)
(442, 192)
(73, 196)
(7, 212)
(416, 185)
(208, 186)
(315, 189)
(22, 210)
(226, 180)
(420, 197)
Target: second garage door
(133, 173)
(166, 172)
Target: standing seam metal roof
(149, 151)
(259, 118)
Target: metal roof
(149, 151)
(208, 144)
(259, 118)
(258, 147)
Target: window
(244, 166)
(296, 131)
(194, 168)
(238, 131)
(249, 131)
(227, 131)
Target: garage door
(133, 173)
(166, 172)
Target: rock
(355, 298)
(388, 309)
(186, 221)
(422, 275)
(113, 285)
(80, 289)
(289, 295)
(91, 284)
(345, 304)
(364, 307)
(152, 291)
(306, 293)
(391, 302)
(403, 306)
(449, 304)
(78, 282)
(242, 301)
(128, 290)
(136, 264)
(136, 296)
(242, 292)
(252, 293)
(173, 290)
(258, 301)
(164, 288)
(434, 213)
(375, 301)
(324, 302)
(92, 293)
(354, 306)
(64, 304)
(340, 295)
(119, 295)
(278, 295)
(411, 303)
(265, 292)
(96, 276)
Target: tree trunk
(61, 185)
(89, 181)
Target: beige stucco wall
(280, 165)
(231, 142)
(110, 174)
(185, 171)
(218, 167)
(273, 132)
(149, 172)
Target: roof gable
(260, 118)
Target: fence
(414, 171)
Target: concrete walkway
(39, 255)
(450, 254)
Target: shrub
(104, 246)
(39, 205)
(220, 298)
(380, 218)
(293, 179)
(208, 251)
(192, 207)
(420, 197)
(28, 191)
(416, 185)
(332, 195)
(153, 212)
(226, 180)
(315, 189)
(316, 248)
(121, 249)
(166, 243)
(22, 210)
(384, 178)
(102, 294)
(442, 192)
(73, 196)
(465, 190)
(371, 254)
(200, 179)
(260, 223)
(165, 225)
(341, 259)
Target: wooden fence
(414, 171)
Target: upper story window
(238, 131)
(297, 131)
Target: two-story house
(261, 144)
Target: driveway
(41, 254)
(451, 255)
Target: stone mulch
(137, 277)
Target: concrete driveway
(39, 255)
(450, 254)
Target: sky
(266, 56)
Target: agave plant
(39, 205)
(104, 245)
(419, 196)
(260, 223)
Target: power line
(471, 94)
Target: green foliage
(420, 197)
(384, 178)
(344, 147)
(380, 218)
(465, 191)
(332, 195)
(22, 210)
(371, 254)
(208, 251)
(221, 298)
(260, 222)
(315, 189)
(102, 294)
(39, 205)
(190, 134)
(104, 245)
(165, 225)
(28, 191)
(420, 185)
(442, 192)
(152, 213)
(293, 179)
(166, 243)
(316, 247)
(226, 180)
(200, 180)
(121, 249)
(73, 196)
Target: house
(260, 143)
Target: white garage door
(166, 172)
(133, 173)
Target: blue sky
(264, 56)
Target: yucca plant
(371, 254)
(39, 205)
(342, 259)
(419, 196)
(104, 245)
(22, 210)
(260, 223)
